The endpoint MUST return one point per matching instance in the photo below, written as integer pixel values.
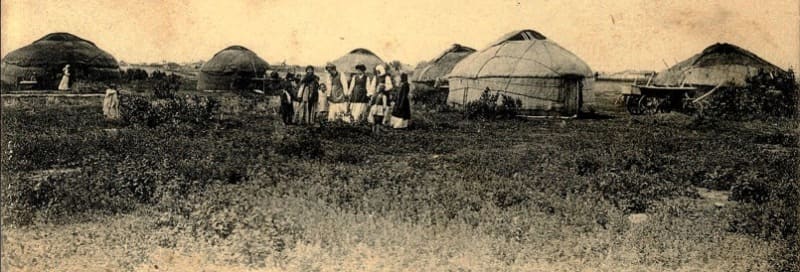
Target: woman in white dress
(358, 90)
(64, 84)
(111, 104)
(337, 92)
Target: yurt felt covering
(47, 57)
(347, 64)
(718, 64)
(219, 72)
(525, 65)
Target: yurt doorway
(573, 94)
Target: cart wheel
(649, 104)
(632, 105)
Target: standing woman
(401, 114)
(384, 80)
(336, 86)
(309, 86)
(64, 84)
(358, 93)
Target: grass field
(665, 192)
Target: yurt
(46, 57)
(425, 76)
(719, 64)
(548, 79)
(347, 64)
(221, 70)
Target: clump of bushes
(194, 110)
(431, 97)
(487, 106)
(765, 96)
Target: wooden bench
(27, 84)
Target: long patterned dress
(64, 84)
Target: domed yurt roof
(49, 54)
(525, 65)
(720, 63)
(443, 64)
(235, 57)
(218, 72)
(524, 53)
(347, 64)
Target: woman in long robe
(309, 86)
(337, 93)
(358, 94)
(64, 84)
(111, 104)
(401, 114)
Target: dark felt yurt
(548, 79)
(220, 72)
(46, 57)
(426, 76)
(718, 64)
(347, 64)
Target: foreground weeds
(519, 195)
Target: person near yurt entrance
(336, 86)
(111, 103)
(59, 61)
(358, 93)
(230, 69)
(525, 65)
(64, 84)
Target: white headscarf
(381, 69)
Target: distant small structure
(229, 65)
(48, 55)
(426, 76)
(720, 63)
(347, 64)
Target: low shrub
(764, 96)
(194, 110)
(431, 97)
(487, 107)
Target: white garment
(399, 122)
(358, 110)
(64, 84)
(335, 110)
(111, 105)
(342, 80)
(322, 102)
(388, 87)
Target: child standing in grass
(378, 109)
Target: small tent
(548, 79)
(720, 63)
(426, 75)
(220, 71)
(347, 64)
(46, 57)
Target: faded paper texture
(331, 216)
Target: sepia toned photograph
(399, 135)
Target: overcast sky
(608, 35)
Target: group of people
(352, 99)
